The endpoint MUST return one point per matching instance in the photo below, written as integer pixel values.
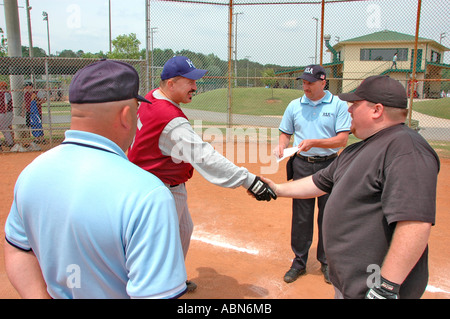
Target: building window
(435, 57)
(383, 54)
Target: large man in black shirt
(382, 200)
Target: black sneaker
(293, 274)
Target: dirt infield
(241, 247)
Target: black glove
(261, 190)
(386, 290)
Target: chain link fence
(254, 50)
(34, 100)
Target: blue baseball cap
(105, 81)
(313, 73)
(181, 66)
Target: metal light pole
(45, 15)
(30, 37)
(110, 38)
(317, 27)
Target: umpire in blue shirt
(85, 222)
(320, 124)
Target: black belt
(315, 159)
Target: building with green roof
(373, 54)
(358, 58)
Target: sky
(278, 34)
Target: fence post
(413, 79)
(47, 89)
(230, 57)
(148, 34)
(15, 50)
(321, 32)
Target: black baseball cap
(313, 73)
(105, 81)
(181, 66)
(379, 89)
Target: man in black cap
(320, 124)
(382, 200)
(85, 222)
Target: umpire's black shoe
(191, 286)
(293, 274)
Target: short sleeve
(287, 121)
(343, 120)
(324, 179)
(15, 232)
(409, 192)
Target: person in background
(6, 114)
(32, 110)
(320, 124)
(394, 61)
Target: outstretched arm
(301, 188)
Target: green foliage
(37, 52)
(270, 75)
(125, 47)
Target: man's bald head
(116, 121)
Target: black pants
(303, 216)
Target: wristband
(386, 290)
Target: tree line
(127, 47)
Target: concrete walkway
(236, 119)
(433, 128)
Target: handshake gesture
(261, 190)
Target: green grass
(252, 101)
(262, 101)
(259, 101)
(441, 147)
(59, 108)
(437, 108)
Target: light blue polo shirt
(306, 119)
(100, 226)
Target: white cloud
(291, 24)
